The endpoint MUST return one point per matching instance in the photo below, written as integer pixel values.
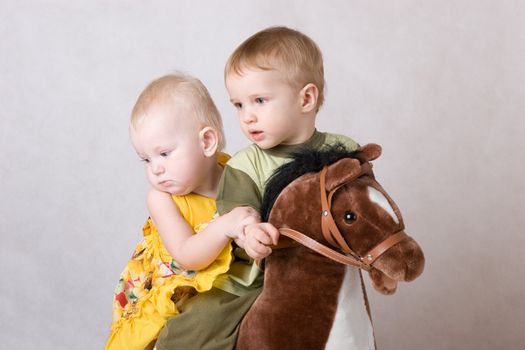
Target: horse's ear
(342, 171)
(368, 152)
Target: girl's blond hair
(179, 89)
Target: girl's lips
(165, 183)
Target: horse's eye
(350, 217)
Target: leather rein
(332, 234)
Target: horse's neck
(294, 271)
(301, 291)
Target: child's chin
(265, 145)
(173, 190)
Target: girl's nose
(157, 168)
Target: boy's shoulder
(331, 139)
(247, 152)
(246, 157)
(255, 162)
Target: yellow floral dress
(153, 283)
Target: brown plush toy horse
(313, 295)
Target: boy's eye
(145, 160)
(164, 154)
(260, 100)
(237, 105)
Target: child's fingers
(257, 250)
(250, 220)
(262, 235)
(261, 252)
(256, 243)
(272, 233)
(240, 239)
(254, 213)
(249, 212)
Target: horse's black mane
(306, 160)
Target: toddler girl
(176, 131)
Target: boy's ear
(209, 140)
(309, 94)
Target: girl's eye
(260, 100)
(145, 160)
(164, 154)
(237, 105)
(350, 217)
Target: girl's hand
(239, 218)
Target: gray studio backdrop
(439, 84)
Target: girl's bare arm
(191, 251)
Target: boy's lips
(256, 135)
(165, 183)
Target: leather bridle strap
(332, 234)
(322, 249)
(329, 228)
(362, 263)
(382, 247)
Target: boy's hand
(259, 237)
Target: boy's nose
(248, 116)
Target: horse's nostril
(413, 268)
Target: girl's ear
(209, 140)
(309, 94)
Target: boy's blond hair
(181, 90)
(289, 51)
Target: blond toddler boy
(275, 80)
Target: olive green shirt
(242, 184)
